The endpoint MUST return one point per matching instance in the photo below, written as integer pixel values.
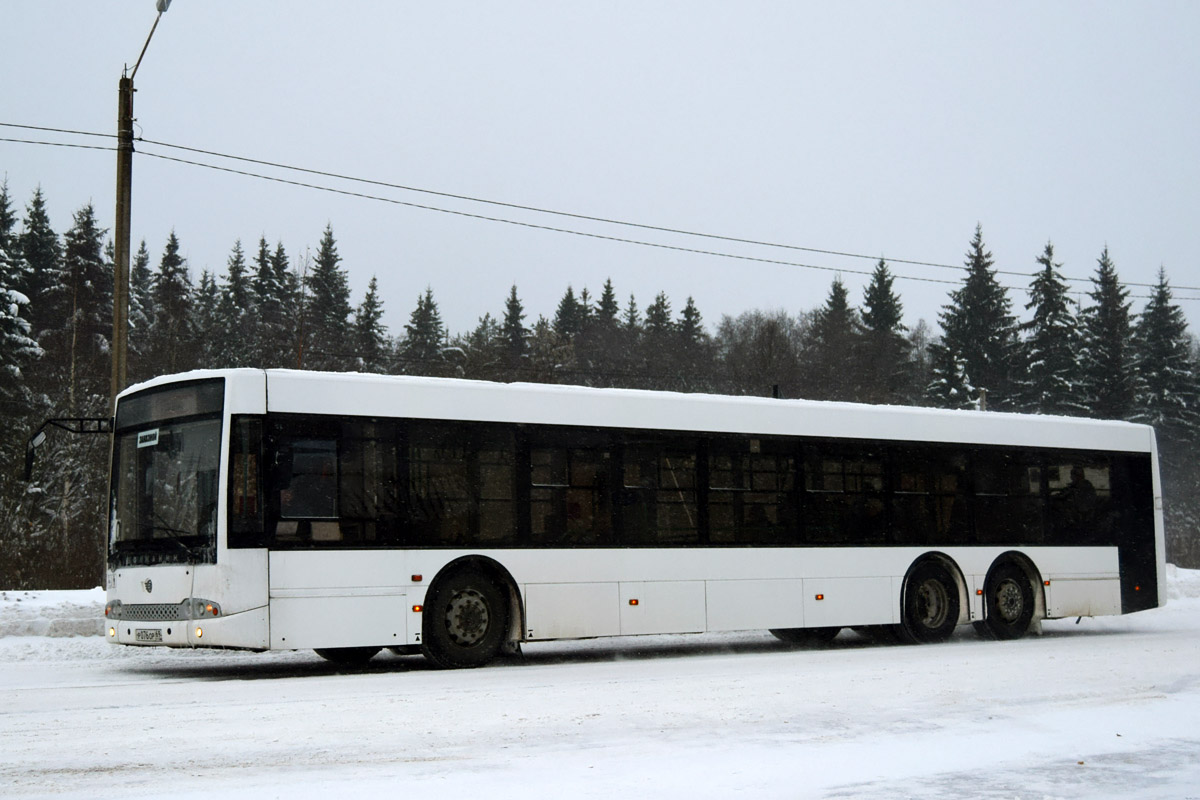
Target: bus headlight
(112, 633)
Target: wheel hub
(932, 603)
(1009, 601)
(467, 617)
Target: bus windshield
(164, 489)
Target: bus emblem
(148, 585)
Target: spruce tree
(1106, 361)
(8, 222)
(424, 339)
(370, 334)
(658, 347)
(568, 318)
(277, 298)
(979, 331)
(1050, 383)
(80, 299)
(693, 371)
(39, 247)
(513, 334)
(1166, 396)
(950, 386)
(141, 313)
(76, 377)
(480, 354)
(233, 338)
(599, 349)
(608, 309)
(833, 349)
(887, 367)
(328, 312)
(172, 332)
(1167, 399)
(206, 322)
(18, 350)
(19, 407)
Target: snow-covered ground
(1108, 708)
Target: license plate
(148, 635)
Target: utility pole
(121, 235)
(120, 338)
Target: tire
(348, 655)
(1008, 603)
(930, 604)
(465, 621)
(812, 637)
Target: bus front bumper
(246, 630)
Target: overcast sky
(882, 129)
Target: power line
(534, 209)
(58, 144)
(571, 232)
(56, 130)
(609, 221)
(533, 225)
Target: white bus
(347, 513)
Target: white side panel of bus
(571, 610)
(752, 605)
(662, 607)
(1083, 598)
(299, 623)
(834, 602)
(344, 599)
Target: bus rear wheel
(812, 637)
(465, 620)
(1008, 603)
(347, 655)
(930, 604)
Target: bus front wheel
(464, 621)
(930, 604)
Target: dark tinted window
(844, 498)
(658, 505)
(751, 491)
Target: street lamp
(120, 338)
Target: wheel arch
(503, 578)
(964, 600)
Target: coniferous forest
(1041, 353)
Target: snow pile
(1182, 583)
(55, 614)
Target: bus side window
(311, 491)
(245, 483)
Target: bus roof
(358, 394)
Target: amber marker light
(633, 601)
(418, 578)
(417, 609)
(820, 597)
(979, 592)
(1047, 583)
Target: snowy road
(1106, 708)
